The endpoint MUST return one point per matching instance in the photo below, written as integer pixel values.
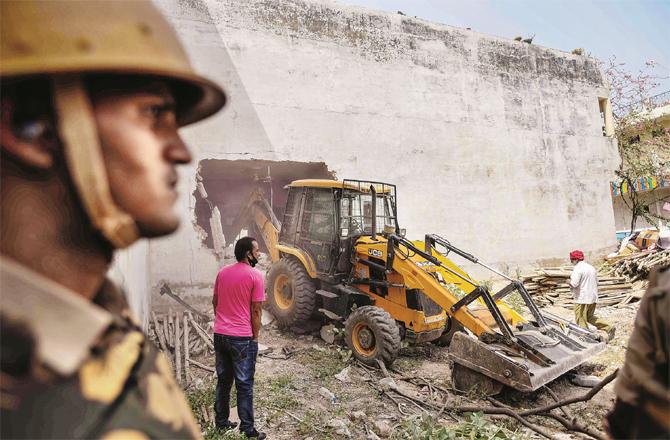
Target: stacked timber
(181, 337)
(550, 286)
(637, 266)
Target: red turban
(577, 255)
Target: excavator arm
(258, 212)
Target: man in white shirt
(584, 287)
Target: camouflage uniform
(642, 409)
(94, 375)
(72, 368)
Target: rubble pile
(550, 286)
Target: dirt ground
(291, 403)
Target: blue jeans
(235, 360)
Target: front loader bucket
(560, 349)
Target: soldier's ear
(27, 141)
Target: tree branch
(588, 396)
(576, 427)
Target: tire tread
(304, 294)
(384, 324)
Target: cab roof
(328, 183)
(317, 183)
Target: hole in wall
(225, 186)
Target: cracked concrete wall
(494, 144)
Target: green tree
(644, 144)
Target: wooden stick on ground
(398, 404)
(575, 426)
(187, 355)
(595, 390)
(159, 332)
(439, 413)
(205, 415)
(166, 337)
(177, 348)
(419, 402)
(203, 334)
(203, 366)
(212, 414)
(383, 368)
(568, 422)
(197, 347)
(545, 410)
(170, 325)
(503, 411)
(564, 409)
(294, 417)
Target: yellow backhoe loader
(340, 253)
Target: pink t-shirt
(236, 287)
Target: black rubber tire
(303, 292)
(384, 329)
(450, 330)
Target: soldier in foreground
(93, 95)
(642, 408)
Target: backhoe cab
(340, 253)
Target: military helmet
(112, 36)
(68, 39)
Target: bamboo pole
(203, 334)
(177, 348)
(170, 338)
(203, 366)
(159, 332)
(186, 353)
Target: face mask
(252, 261)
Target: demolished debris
(328, 333)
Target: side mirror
(403, 232)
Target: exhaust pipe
(374, 212)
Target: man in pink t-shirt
(238, 300)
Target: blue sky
(633, 30)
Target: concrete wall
(132, 273)
(493, 143)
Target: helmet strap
(83, 154)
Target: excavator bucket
(499, 345)
(551, 353)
